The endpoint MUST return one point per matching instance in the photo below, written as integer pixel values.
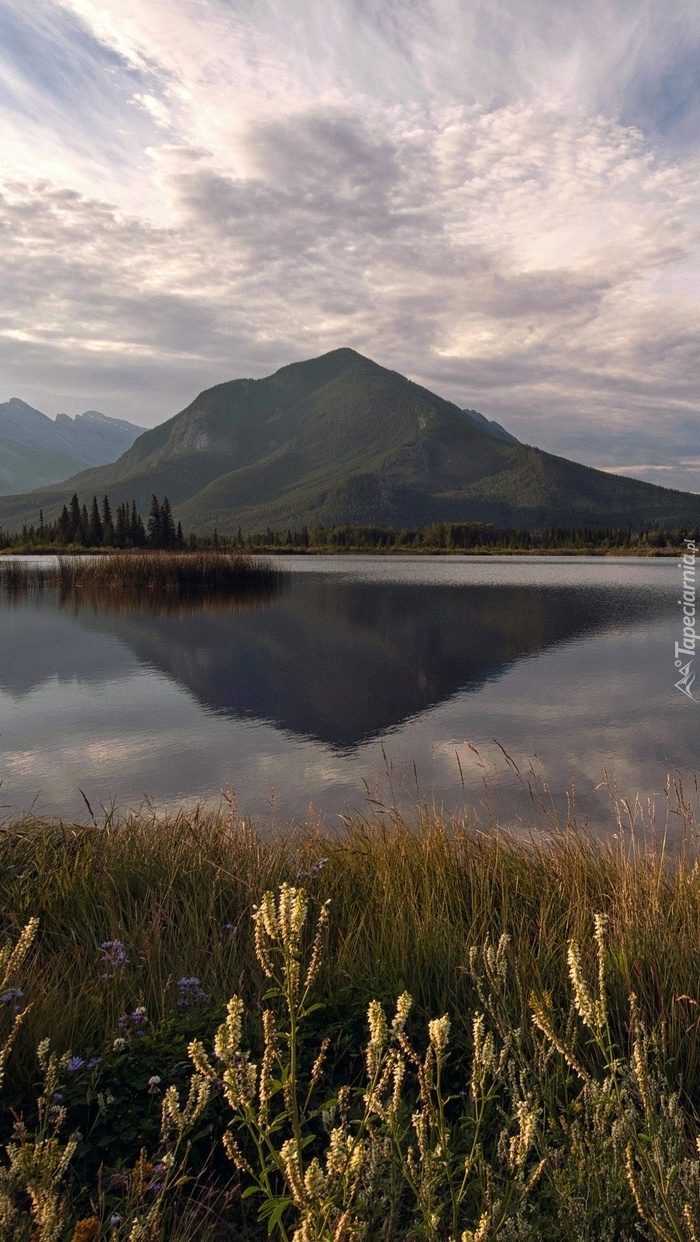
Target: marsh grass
(414, 908)
(150, 581)
(407, 899)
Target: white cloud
(447, 187)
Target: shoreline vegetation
(483, 1035)
(102, 528)
(153, 582)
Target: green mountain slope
(340, 439)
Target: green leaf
(304, 1013)
(274, 1210)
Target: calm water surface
(364, 677)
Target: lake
(362, 679)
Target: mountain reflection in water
(300, 693)
(342, 662)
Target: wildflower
(57, 1096)
(13, 998)
(191, 994)
(93, 1061)
(229, 927)
(266, 915)
(153, 1084)
(132, 1022)
(235, 1154)
(228, 1037)
(317, 1068)
(399, 1074)
(337, 1153)
(119, 1044)
(113, 956)
(439, 1033)
(315, 962)
(403, 1007)
(314, 1180)
(377, 1037)
(586, 1006)
(377, 1024)
(292, 1167)
(291, 915)
(314, 870)
(73, 1064)
(155, 1187)
(115, 1220)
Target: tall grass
(413, 908)
(148, 580)
(407, 902)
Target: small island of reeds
(393, 1031)
(146, 580)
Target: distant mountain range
(36, 450)
(339, 439)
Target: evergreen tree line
(99, 526)
(466, 536)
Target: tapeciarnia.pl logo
(685, 651)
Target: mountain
(35, 450)
(490, 425)
(339, 439)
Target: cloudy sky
(497, 198)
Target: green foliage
(79, 529)
(468, 537)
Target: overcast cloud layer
(499, 200)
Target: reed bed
(150, 581)
(169, 572)
(152, 915)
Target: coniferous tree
(95, 531)
(74, 533)
(168, 534)
(154, 524)
(84, 532)
(180, 536)
(107, 523)
(135, 527)
(63, 526)
(121, 530)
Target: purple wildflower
(73, 1064)
(93, 1061)
(113, 956)
(313, 870)
(191, 993)
(57, 1096)
(155, 1187)
(12, 997)
(115, 1220)
(132, 1021)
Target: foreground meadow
(394, 1031)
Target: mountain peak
(340, 439)
(36, 450)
